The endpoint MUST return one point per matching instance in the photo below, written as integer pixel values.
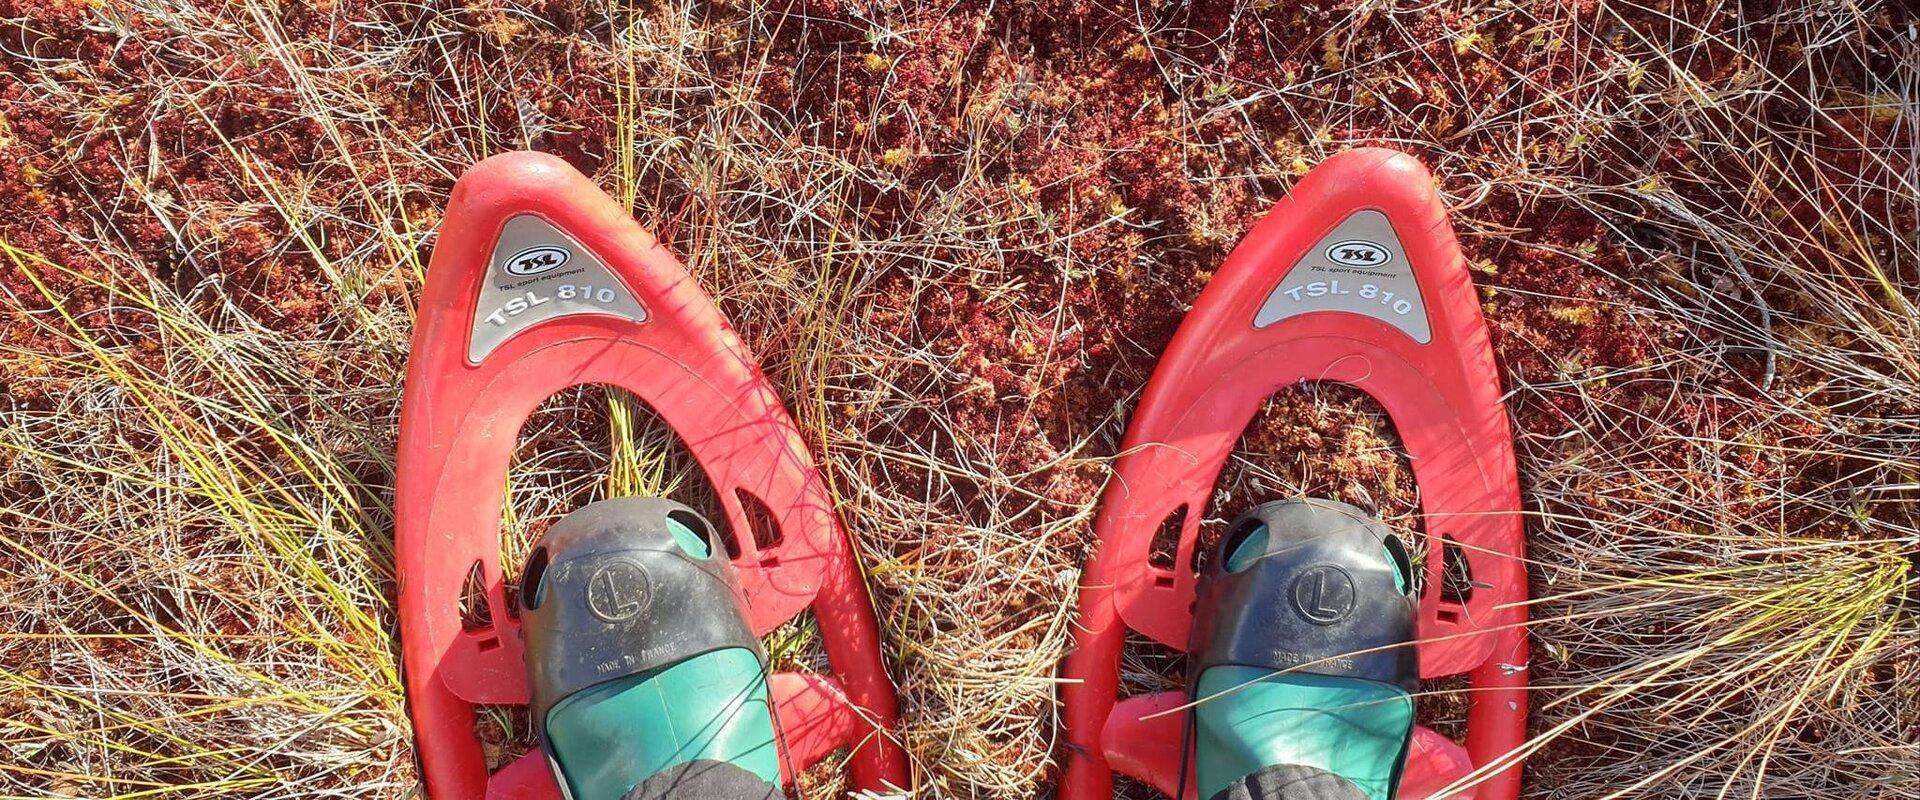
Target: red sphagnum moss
(1065, 175)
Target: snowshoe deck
(540, 282)
(1354, 278)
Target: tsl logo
(535, 260)
(1358, 253)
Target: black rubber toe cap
(704, 780)
(1327, 594)
(610, 592)
(1291, 782)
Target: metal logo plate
(538, 273)
(1359, 267)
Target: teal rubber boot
(1303, 664)
(647, 682)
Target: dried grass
(195, 583)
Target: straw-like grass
(957, 235)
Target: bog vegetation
(957, 234)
